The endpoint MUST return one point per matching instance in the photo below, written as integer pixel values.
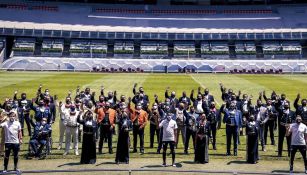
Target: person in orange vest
(106, 120)
(139, 120)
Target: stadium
(247, 45)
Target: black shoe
(151, 146)
(214, 147)
(142, 151)
(228, 154)
(279, 155)
(158, 152)
(135, 151)
(186, 152)
(110, 151)
(100, 152)
(235, 153)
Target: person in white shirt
(298, 132)
(64, 113)
(169, 132)
(13, 139)
(71, 124)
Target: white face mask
(12, 119)
(47, 93)
(44, 122)
(169, 117)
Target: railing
(152, 36)
(131, 171)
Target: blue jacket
(42, 114)
(41, 132)
(238, 118)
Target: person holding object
(13, 139)
(169, 136)
(298, 132)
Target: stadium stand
(198, 35)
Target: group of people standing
(195, 117)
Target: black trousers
(232, 131)
(137, 131)
(105, 133)
(53, 112)
(8, 148)
(153, 131)
(269, 126)
(281, 136)
(213, 132)
(189, 133)
(302, 149)
(22, 118)
(160, 140)
(172, 147)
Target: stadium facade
(64, 36)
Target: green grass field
(61, 83)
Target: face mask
(304, 104)
(23, 97)
(169, 117)
(283, 98)
(67, 101)
(47, 93)
(286, 107)
(12, 119)
(138, 107)
(198, 98)
(122, 100)
(206, 92)
(298, 121)
(40, 104)
(212, 106)
(44, 122)
(192, 110)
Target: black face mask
(122, 100)
(206, 92)
(298, 121)
(198, 98)
(304, 104)
(40, 104)
(212, 106)
(173, 96)
(67, 101)
(101, 100)
(283, 98)
(23, 97)
(286, 107)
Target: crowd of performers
(194, 117)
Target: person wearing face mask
(9, 106)
(120, 103)
(180, 120)
(190, 122)
(111, 98)
(138, 118)
(198, 104)
(13, 139)
(280, 105)
(90, 136)
(225, 95)
(41, 111)
(285, 118)
(271, 113)
(141, 91)
(233, 120)
(3, 118)
(139, 99)
(106, 119)
(301, 109)
(87, 96)
(162, 109)
(252, 132)
(258, 111)
(40, 135)
(71, 129)
(48, 100)
(172, 98)
(123, 143)
(64, 113)
(154, 118)
(169, 136)
(23, 111)
(185, 99)
(214, 118)
(202, 140)
(298, 133)
(208, 97)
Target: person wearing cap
(190, 123)
(23, 111)
(123, 143)
(71, 124)
(214, 118)
(64, 113)
(202, 140)
(13, 139)
(139, 120)
(169, 136)
(233, 120)
(301, 109)
(40, 135)
(90, 136)
(252, 132)
(298, 133)
(154, 118)
(286, 117)
(106, 119)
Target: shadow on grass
(178, 165)
(284, 172)
(237, 162)
(70, 164)
(106, 163)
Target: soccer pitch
(60, 83)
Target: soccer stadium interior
(237, 36)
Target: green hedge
(51, 50)
(246, 52)
(183, 52)
(154, 52)
(289, 52)
(123, 51)
(23, 49)
(215, 53)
